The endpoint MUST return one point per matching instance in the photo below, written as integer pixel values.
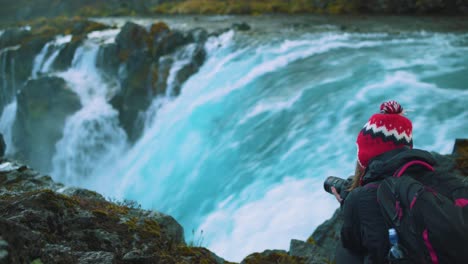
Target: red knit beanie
(383, 132)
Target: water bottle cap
(392, 232)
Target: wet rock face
(13, 36)
(2, 146)
(132, 37)
(43, 106)
(136, 61)
(65, 57)
(43, 220)
(16, 64)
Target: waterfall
(181, 58)
(46, 57)
(8, 76)
(8, 97)
(6, 126)
(92, 137)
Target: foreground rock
(42, 221)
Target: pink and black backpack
(429, 212)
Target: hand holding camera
(338, 187)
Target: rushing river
(239, 157)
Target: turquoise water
(242, 153)
(240, 156)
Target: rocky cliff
(44, 222)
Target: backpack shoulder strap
(403, 168)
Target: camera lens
(333, 181)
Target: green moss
(151, 228)
(100, 213)
(50, 27)
(342, 7)
(158, 28)
(273, 257)
(36, 261)
(115, 209)
(253, 7)
(132, 224)
(311, 240)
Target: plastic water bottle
(395, 251)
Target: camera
(339, 184)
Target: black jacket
(364, 230)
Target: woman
(384, 145)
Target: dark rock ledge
(45, 222)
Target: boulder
(327, 235)
(171, 227)
(43, 106)
(167, 42)
(298, 248)
(272, 257)
(307, 251)
(131, 38)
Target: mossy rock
(272, 257)
(460, 151)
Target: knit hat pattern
(384, 131)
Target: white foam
(299, 144)
(92, 138)
(16, 47)
(271, 106)
(215, 43)
(292, 209)
(182, 58)
(104, 36)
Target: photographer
(385, 138)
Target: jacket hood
(388, 163)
